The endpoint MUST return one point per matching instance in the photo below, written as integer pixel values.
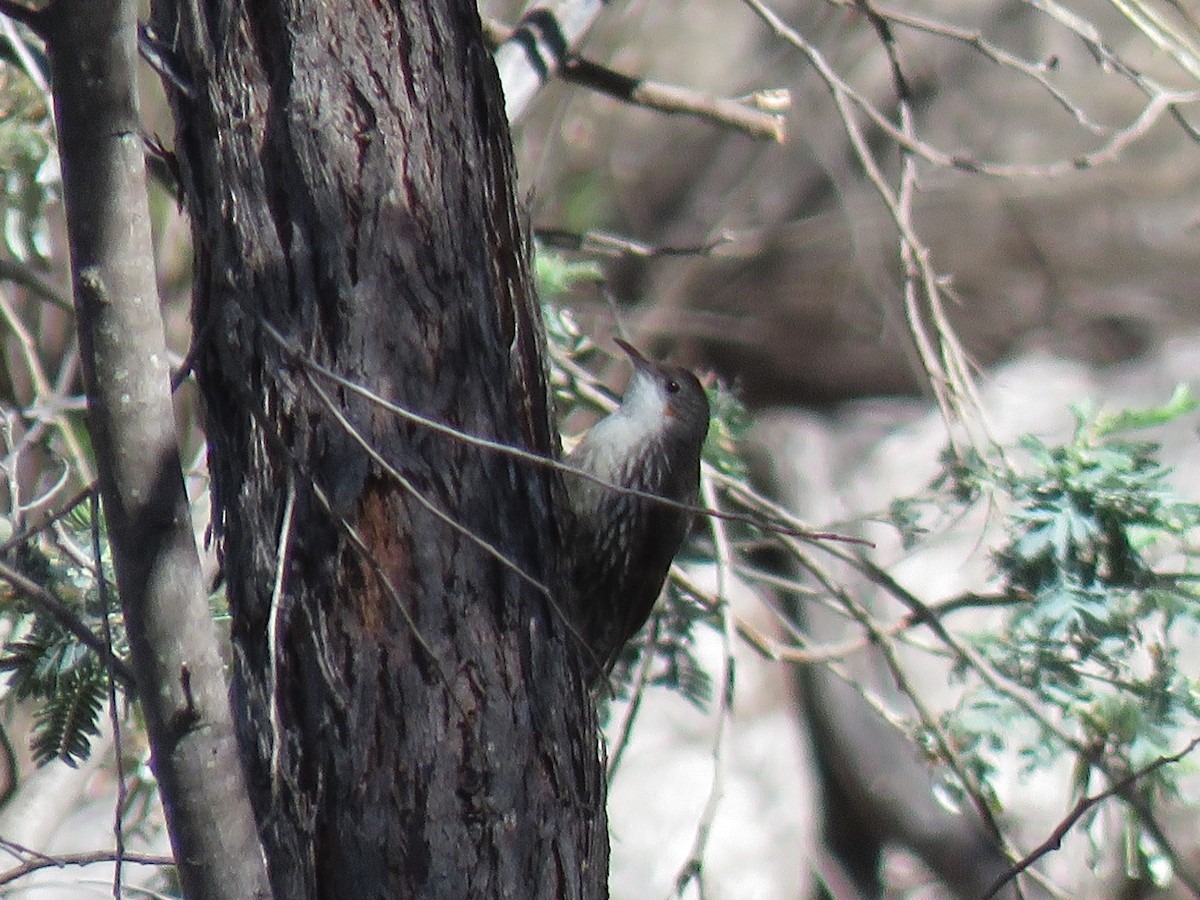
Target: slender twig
(1036, 72)
(606, 243)
(23, 275)
(756, 115)
(1085, 803)
(33, 531)
(62, 860)
(675, 100)
(1160, 101)
(274, 620)
(45, 394)
(1176, 44)
(106, 610)
(693, 868)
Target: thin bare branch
(1085, 803)
(756, 114)
(23, 275)
(1160, 100)
(1035, 71)
(46, 397)
(106, 610)
(605, 243)
(636, 692)
(63, 860)
(693, 868)
(676, 100)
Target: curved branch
(63, 860)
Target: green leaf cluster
(1097, 566)
(68, 685)
(49, 667)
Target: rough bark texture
(348, 171)
(171, 634)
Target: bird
(621, 545)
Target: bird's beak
(640, 362)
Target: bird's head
(665, 397)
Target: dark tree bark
(171, 634)
(412, 709)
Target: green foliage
(64, 680)
(726, 431)
(69, 685)
(1098, 571)
(556, 275)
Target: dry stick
(693, 869)
(915, 256)
(974, 38)
(1160, 101)
(41, 384)
(674, 100)
(1054, 841)
(114, 715)
(1162, 34)
(284, 545)
(80, 859)
(34, 530)
(947, 371)
(1108, 58)
(24, 276)
(607, 243)
(752, 116)
(1091, 37)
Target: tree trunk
(412, 708)
(172, 638)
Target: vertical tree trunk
(172, 637)
(412, 708)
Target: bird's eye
(672, 386)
